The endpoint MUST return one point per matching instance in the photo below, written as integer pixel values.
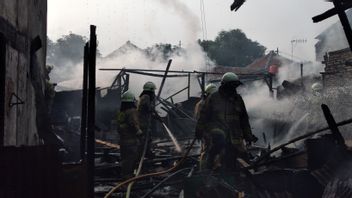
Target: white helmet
(317, 87)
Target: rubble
(72, 148)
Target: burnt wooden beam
(84, 102)
(91, 111)
(157, 75)
(332, 125)
(330, 13)
(164, 78)
(344, 21)
(174, 71)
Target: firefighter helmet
(149, 86)
(210, 88)
(229, 77)
(128, 97)
(317, 87)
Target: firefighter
(225, 121)
(130, 133)
(317, 89)
(315, 115)
(209, 89)
(145, 110)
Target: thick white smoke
(191, 21)
(282, 120)
(190, 58)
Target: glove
(139, 132)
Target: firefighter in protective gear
(209, 89)
(315, 116)
(225, 121)
(145, 111)
(130, 133)
(317, 89)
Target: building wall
(21, 21)
(337, 73)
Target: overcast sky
(273, 23)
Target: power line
(203, 20)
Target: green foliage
(232, 48)
(68, 48)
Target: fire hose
(152, 174)
(164, 180)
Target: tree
(233, 48)
(65, 54)
(68, 48)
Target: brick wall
(337, 73)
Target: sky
(273, 23)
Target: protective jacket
(130, 143)
(198, 108)
(226, 115)
(128, 126)
(145, 110)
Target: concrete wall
(337, 73)
(20, 22)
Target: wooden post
(91, 111)
(164, 78)
(84, 103)
(189, 86)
